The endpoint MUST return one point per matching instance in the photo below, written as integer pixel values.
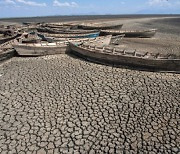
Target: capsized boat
(134, 33)
(120, 56)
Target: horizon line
(65, 15)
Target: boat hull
(6, 54)
(3, 40)
(62, 31)
(138, 34)
(24, 50)
(58, 37)
(115, 59)
(86, 27)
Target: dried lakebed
(60, 104)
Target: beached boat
(6, 54)
(65, 31)
(136, 33)
(6, 31)
(6, 50)
(40, 49)
(8, 38)
(57, 26)
(31, 37)
(99, 26)
(51, 39)
(119, 56)
(61, 25)
(48, 36)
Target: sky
(28, 8)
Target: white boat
(40, 49)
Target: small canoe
(54, 37)
(65, 31)
(99, 26)
(119, 56)
(137, 33)
(40, 49)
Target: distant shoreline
(64, 18)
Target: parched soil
(62, 104)
(59, 104)
(152, 45)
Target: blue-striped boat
(61, 37)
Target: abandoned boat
(5, 38)
(65, 31)
(40, 49)
(119, 56)
(31, 37)
(99, 26)
(47, 36)
(136, 33)
(6, 50)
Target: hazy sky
(23, 8)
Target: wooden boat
(61, 25)
(6, 50)
(40, 49)
(137, 33)
(51, 36)
(5, 31)
(31, 23)
(99, 26)
(8, 38)
(30, 38)
(65, 31)
(119, 56)
(51, 39)
(7, 45)
(6, 54)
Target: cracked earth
(58, 104)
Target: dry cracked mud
(58, 104)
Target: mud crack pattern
(58, 104)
